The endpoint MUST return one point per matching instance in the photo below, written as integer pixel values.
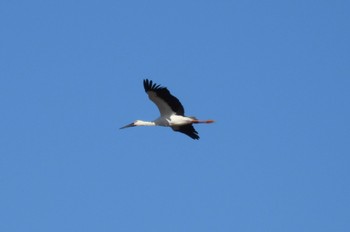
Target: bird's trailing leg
(202, 121)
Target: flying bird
(172, 113)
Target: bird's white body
(172, 120)
(166, 120)
(171, 111)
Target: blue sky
(273, 74)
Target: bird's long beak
(129, 125)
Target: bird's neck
(146, 123)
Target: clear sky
(275, 75)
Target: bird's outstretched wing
(188, 130)
(166, 103)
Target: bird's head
(134, 123)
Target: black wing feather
(188, 130)
(163, 93)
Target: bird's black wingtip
(187, 130)
(147, 84)
(194, 136)
(150, 85)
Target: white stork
(171, 111)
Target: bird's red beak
(129, 125)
